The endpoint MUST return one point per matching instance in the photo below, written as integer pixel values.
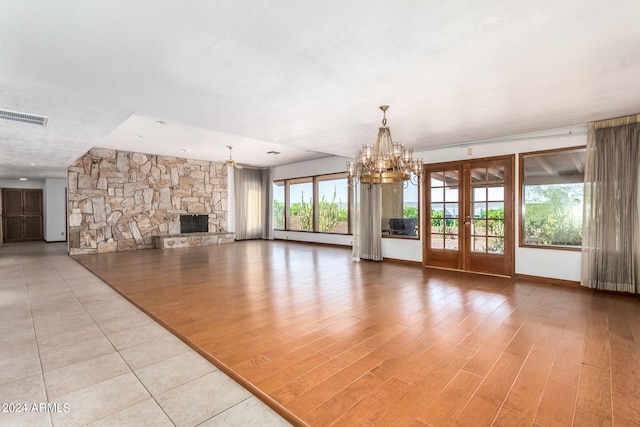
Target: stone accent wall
(120, 200)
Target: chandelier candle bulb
(397, 149)
(407, 155)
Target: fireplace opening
(194, 223)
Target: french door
(469, 215)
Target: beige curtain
(610, 223)
(355, 216)
(253, 199)
(370, 244)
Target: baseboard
(548, 280)
(403, 261)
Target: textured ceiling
(303, 78)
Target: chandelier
(385, 161)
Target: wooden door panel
(32, 202)
(13, 229)
(12, 202)
(32, 228)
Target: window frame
(330, 177)
(286, 203)
(314, 180)
(287, 211)
(521, 190)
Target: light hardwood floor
(328, 341)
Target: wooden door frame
(461, 165)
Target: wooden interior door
(469, 215)
(22, 215)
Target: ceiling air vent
(23, 117)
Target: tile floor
(73, 352)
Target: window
(300, 205)
(333, 205)
(552, 193)
(400, 209)
(278, 205)
(318, 204)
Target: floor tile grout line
(35, 336)
(225, 410)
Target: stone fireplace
(119, 200)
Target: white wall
(55, 210)
(557, 264)
(322, 166)
(14, 183)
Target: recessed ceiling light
(138, 136)
(22, 179)
(275, 153)
(184, 149)
(161, 122)
(33, 165)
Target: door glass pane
(496, 193)
(480, 194)
(495, 175)
(496, 227)
(479, 244)
(451, 194)
(451, 218)
(451, 243)
(437, 241)
(451, 178)
(496, 245)
(437, 195)
(437, 180)
(437, 226)
(479, 228)
(437, 210)
(480, 210)
(495, 210)
(451, 210)
(478, 175)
